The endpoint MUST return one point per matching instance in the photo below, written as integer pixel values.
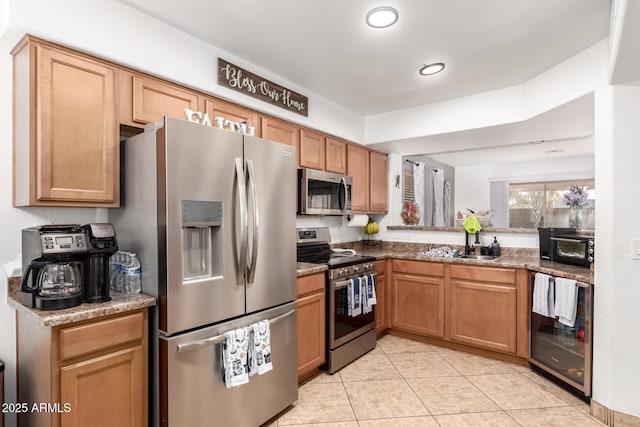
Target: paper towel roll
(358, 220)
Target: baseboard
(613, 418)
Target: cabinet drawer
(422, 268)
(484, 274)
(93, 337)
(314, 282)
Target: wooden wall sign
(246, 82)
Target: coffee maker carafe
(102, 243)
(53, 256)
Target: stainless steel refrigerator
(211, 215)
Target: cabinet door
(105, 391)
(311, 332)
(153, 99)
(378, 182)
(217, 108)
(75, 143)
(483, 315)
(312, 146)
(358, 169)
(418, 304)
(336, 156)
(381, 314)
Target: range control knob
(356, 269)
(341, 272)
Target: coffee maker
(102, 243)
(53, 260)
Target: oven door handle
(345, 283)
(564, 239)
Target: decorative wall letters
(246, 82)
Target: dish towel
(260, 354)
(371, 290)
(566, 301)
(234, 357)
(364, 292)
(355, 308)
(543, 295)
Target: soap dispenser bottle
(495, 247)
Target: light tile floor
(407, 383)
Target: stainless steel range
(349, 336)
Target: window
(539, 204)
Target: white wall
(617, 276)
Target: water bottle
(114, 265)
(133, 284)
(121, 276)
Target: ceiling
(325, 46)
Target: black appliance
(53, 257)
(348, 337)
(101, 244)
(563, 245)
(561, 351)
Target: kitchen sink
(480, 257)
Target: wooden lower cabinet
(92, 372)
(483, 307)
(483, 314)
(105, 390)
(382, 322)
(418, 304)
(311, 324)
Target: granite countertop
(120, 303)
(581, 274)
(306, 268)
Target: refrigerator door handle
(256, 223)
(182, 348)
(242, 195)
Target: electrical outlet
(635, 248)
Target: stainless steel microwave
(323, 193)
(564, 246)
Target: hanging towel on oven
(364, 291)
(543, 295)
(260, 352)
(566, 301)
(371, 290)
(355, 292)
(234, 357)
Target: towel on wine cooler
(543, 295)
(260, 353)
(566, 301)
(234, 357)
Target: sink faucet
(468, 249)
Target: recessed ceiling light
(555, 150)
(382, 17)
(434, 68)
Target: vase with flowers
(576, 199)
(410, 214)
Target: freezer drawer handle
(183, 348)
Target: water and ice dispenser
(202, 244)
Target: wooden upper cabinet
(378, 182)
(358, 169)
(144, 100)
(280, 131)
(218, 108)
(312, 146)
(66, 147)
(336, 156)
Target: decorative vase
(575, 217)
